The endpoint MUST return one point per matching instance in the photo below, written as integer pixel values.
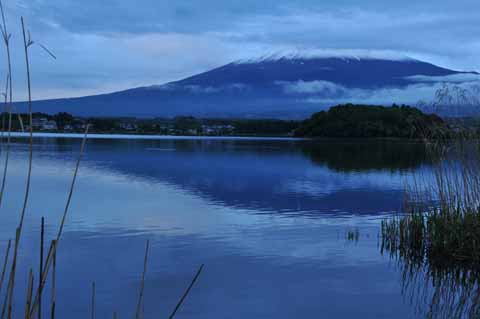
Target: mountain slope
(279, 87)
(349, 72)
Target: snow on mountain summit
(345, 55)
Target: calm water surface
(268, 218)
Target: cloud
(454, 78)
(329, 93)
(199, 89)
(95, 63)
(324, 88)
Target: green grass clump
(447, 238)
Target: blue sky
(109, 45)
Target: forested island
(369, 121)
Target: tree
(63, 119)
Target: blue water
(268, 218)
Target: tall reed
(4, 267)
(27, 44)
(142, 283)
(54, 281)
(185, 294)
(40, 268)
(6, 39)
(29, 294)
(442, 223)
(53, 250)
(92, 305)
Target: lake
(268, 218)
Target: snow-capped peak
(328, 53)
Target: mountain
(278, 86)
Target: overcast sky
(109, 45)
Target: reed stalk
(11, 284)
(29, 295)
(20, 120)
(27, 44)
(40, 268)
(5, 303)
(54, 270)
(93, 301)
(6, 39)
(5, 262)
(52, 252)
(4, 111)
(142, 283)
(185, 294)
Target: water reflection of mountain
(268, 176)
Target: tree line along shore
(342, 121)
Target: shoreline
(148, 137)
(119, 136)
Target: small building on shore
(44, 124)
